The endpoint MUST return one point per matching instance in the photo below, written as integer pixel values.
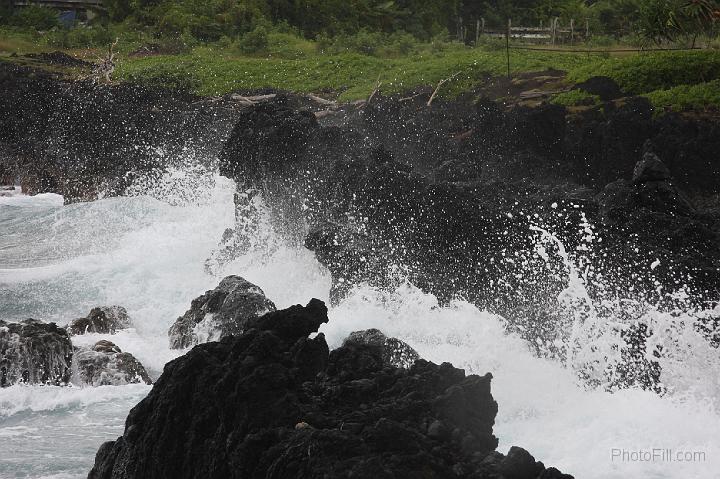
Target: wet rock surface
(104, 364)
(34, 352)
(273, 402)
(393, 351)
(223, 311)
(104, 319)
(451, 193)
(82, 140)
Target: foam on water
(57, 262)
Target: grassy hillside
(349, 68)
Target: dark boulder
(274, 403)
(650, 168)
(223, 311)
(604, 87)
(34, 352)
(105, 320)
(104, 364)
(652, 188)
(392, 350)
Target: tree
(671, 20)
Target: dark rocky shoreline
(274, 403)
(449, 196)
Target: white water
(57, 262)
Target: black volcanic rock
(223, 311)
(80, 139)
(447, 194)
(392, 350)
(105, 364)
(274, 403)
(34, 352)
(604, 87)
(104, 319)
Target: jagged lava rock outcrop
(220, 312)
(81, 139)
(34, 352)
(393, 351)
(275, 403)
(104, 364)
(103, 319)
(449, 193)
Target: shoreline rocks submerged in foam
(35, 352)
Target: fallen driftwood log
(251, 100)
(320, 100)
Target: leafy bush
(289, 45)
(364, 42)
(400, 44)
(80, 37)
(169, 76)
(255, 41)
(34, 16)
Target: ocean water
(148, 253)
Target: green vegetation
(576, 98)
(647, 72)
(659, 21)
(684, 97)
(213, 72)
(345, 47)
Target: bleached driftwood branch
(412, 97)
(320, 100)
(251, 100)
(105, 67)
(441, 83)
(374, 92)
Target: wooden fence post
(477, 32)
(572, 31)
(507, 46)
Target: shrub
(255, 41)
(80, 37)
(400, 44)
(172, 77)
(289, 45)
(364, 42)
(37, 17)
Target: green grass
(214, 72)
(575, 98)
(686, 97)
(647, 72)
(678, 80)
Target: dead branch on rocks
(251, 100)
(441, 83)
(105, 66)
(377, 89)
(320, 100)
(408, 98)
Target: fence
(553, 33)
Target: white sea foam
(35, 399)
(57, 262)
